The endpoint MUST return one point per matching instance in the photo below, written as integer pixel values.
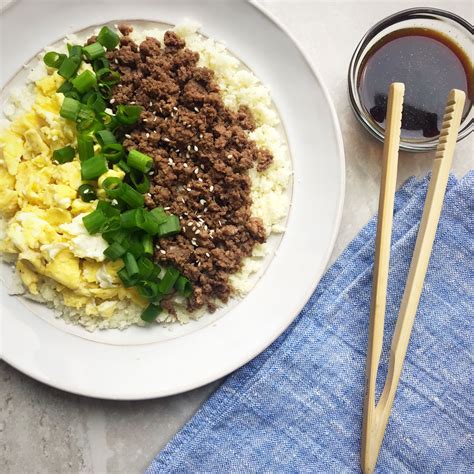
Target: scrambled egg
(43, 212)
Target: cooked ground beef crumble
(202, 156)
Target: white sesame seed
(202, 167)
(211, 188)
(151, 103)
(188, 189)
(229, 156)
(166, 139)
(120, 85)
(112, 101)
(163, 251)
(197, 232)
(205, 209)
(116, 61)
(167, 208)
(151, 173)
(205, 227)
(128, 135)
(194, 229)
(196, 109)
(114, 202)
(202, 201)
(201, 135)
(196, 171)
(198, 224)
(196, 148)
(155, 119)
(189, 147)
(182, 199)
(187, 155)
(175, 108)
(200, 180)
(190, 224)
(145, 120)
(147, 135)
(133, 102)
(185, 165)
(220, 223)
(208, 254)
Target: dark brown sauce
(429, 64)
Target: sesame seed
(133, 102)
(166, 139)
(188, 155)
(189, 147)
(163, 252)
(151, 103)
(145, 120)
(229, 156)
(205, 227)
(202, 167)
(196, 148)
(198, 224)
(120, 85)
(147, 135)
(202, 201)
(197, 232)
(205, 209)
(194, 229)
(151, 173)
(128, 135)
(190, 224)
(211, 188)
(196, 109)
(175, 108)
(200, 180)
(185, 165)
(112, 101)
(196, 171)
(208, 254)
(155, 119)
(220, 223)
(116, 61)
(182, 199)
(201, 135)
(167, 208)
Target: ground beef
(202, 157)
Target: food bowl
(449, 25)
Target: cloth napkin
(297, 407)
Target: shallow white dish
(141, 363)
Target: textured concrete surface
(43, 430)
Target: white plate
(141, 363)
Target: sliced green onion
(159, 214)
(93, 51)
(73, 95)
(69, 67)
(147, 242)
(108, 209)
(170, 227)
(148, 290)
(64, 87)
(146, 267)
(151, 313)
(105, 137)
(139, 161)
(105, 90)
(95, 101)
(94, 221)
(114, 152)
(126, 279)
(64, 155)
(85, 119)
(140, 181)
(128, 114)
(111, 185)
(166, 284)
(108, 38)
(53, 59)
(100, 63)
(120, 236)
(85, 146)
(107, 76)
(130, 264)
(133, 198)
(114, 251)
(131, 219)
(108, 120)
(111, 224)
(149, 224)
(70, 108)
(87, 192)
(93, 167)
(85, 81)
(124, 166)
(183, 286)
(74, 50)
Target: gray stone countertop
(44, 430)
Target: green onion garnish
(74, 50)
(111, 186)
(70, 108)
(65, 87)
(149, 224)
(140, 181)
(183, 286)
(108, 38)
(114, 251)
(170, 227)
(95, 101)
(131, 219)
(139, 161)
(105, 137)
(100, 63)
(85, 146)
(166, 284)
(85, 81)
(94, 221)
(64, 155)
(69, 67)
(135, 245)
(146, 267)
(128, 114)
(159, 215)
(53, 59)
(148, 290)
(93, 51)
(151, 313)
(131, 264)
(85, 119)
(126, 279)
(108, 209)
(93, 167)
(119, 236)
(105, 90)
(147, 243)
(124, 166)
(133, 198)
(87, 192)
(107, 76)
(114, 152)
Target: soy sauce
(429, 64)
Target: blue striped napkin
(297, 407)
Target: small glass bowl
(449, 24)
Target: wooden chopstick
(376, 416)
